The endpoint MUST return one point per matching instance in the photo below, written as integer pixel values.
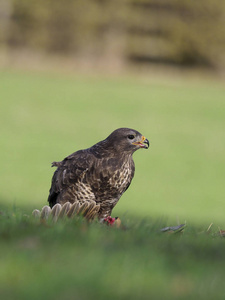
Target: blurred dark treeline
(186, 32)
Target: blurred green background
(73, 71)
(45, 117)
(116, 32)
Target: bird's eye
(130, 136)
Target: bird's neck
(106, 149)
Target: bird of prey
(101, 173)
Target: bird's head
(128, 140)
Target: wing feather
(68, 173)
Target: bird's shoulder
(78, 161)
(72, 168)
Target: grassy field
(76, 260)
(45, 117)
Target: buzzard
(101, 173)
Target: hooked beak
(143, 143)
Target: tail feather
(56, 163)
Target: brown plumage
(101, 173)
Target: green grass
(76, 260)
(45, 117)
